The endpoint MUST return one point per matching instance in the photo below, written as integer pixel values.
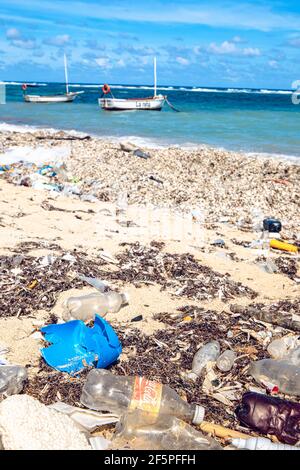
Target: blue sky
(200, 43)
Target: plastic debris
(85, 307)
(282, 374)
(206, 354)
(270, 415)
(12, 379)
(76, 346)
(260, 443)
(87, 419)
(119, 394)
(226, 360)
(164, 433)
(100, 285)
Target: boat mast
(155, 80)
(66, 74)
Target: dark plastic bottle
(270, 415)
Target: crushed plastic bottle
(86, 307)
(226, 360)
(104, 391)
(12, 379)
(260, 443)
(283, 347)
(208, 353)
(270, 415)
(166, 433)
(283, 374)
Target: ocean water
(249, 120)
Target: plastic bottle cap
(199, 415)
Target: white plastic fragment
(87, 419)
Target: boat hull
(147, 104)
(67, 98)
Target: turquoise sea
(250, 120)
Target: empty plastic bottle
(260, 443)
(12, 379)
(104, 391)
(283, 347)
(283, 374)
(270, 415)
(86, 306)
(226, 360)
(166, 433)
(209, 352)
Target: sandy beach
(169, 273)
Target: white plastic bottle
(208, 353)
(226, 360)
(86, 307)
(260, 443)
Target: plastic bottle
(12, 379)
(86, 306)
(283, 374)
(166, 433)
(104, 391)
(260, 443)
(283, 347)
(226, 360)
(266, 414)
(209, 352)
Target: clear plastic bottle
(283, 347)
(209, 352)
(12, 379)
(283, 374)
(260, 443)
(104, 391)
(226, 360)
(166, 433)
(86, 306)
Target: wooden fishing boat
(152, 103)
(60, 98)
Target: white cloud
(225, 48)
(251, 52)
(273, 64)
(103, 62)
(228, 47)
(24, 43)
(182, 61)
(59, 41)
(13, 33)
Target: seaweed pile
(28, 285)
(181, 274)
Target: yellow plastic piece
(283, 246)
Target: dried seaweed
(27, 286)
(181, 274)
(287, 266)
(278, 313)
